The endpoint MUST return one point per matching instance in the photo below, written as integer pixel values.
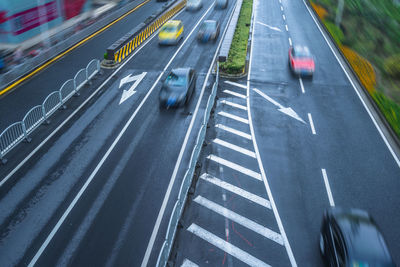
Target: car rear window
(175, 80)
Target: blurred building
(21, 20)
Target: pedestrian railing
(19, 131)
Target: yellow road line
(46, 64)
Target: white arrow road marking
(272, 28)
(128, 93)
(288, 111)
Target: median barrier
(122, 48)
(19, 131)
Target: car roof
(364, 241)
(172, 23)
(302, 50)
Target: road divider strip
(122, 48)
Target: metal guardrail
(19, 131)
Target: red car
(301, 61)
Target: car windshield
(175, 82)
(170, 28)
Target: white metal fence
(19, 131)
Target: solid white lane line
(233, 104)
(354, 87)
(302, 86)
(236, 84)
(188, 263)
(284, 17)
(290, 41)
(237, 118)
(234, 94)
(328, 188)
(150, 245)
(234, 131)
(259, 160)
(311, 123)
(105, 156)
(236, 190)
(235, 147)
(235, 166)
(225, 246)
(286, 27)
(243, 221)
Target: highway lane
(15, 104)
(114, 217)
(328, 138)
(342, 140)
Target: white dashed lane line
(234, 131)
(302, 86)
(311, 124)
(281, 8)
(236, 190)
(235, 147)
(286, 27)
(290, 41)
(225, 246)
(235, 167)
(328, 188)
(284, 17)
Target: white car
(193, 5)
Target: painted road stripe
(311, 124)
(290, 41)
(236, 84)
(302, 86)
(328, 188)
(284, 17)
(236, 190)
(188, 263)
(233, 104)
(234, 131)
(235, 147)
(286, 27)
(281, 8)
(235, 167)
(237, 118)
(243, 221)
(234, 94)
(225, 246)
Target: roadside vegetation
(369, 37)
(236, 61)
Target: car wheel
(321, 245)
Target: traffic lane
(33, 92)
(103, 227)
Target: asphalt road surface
(283, 149)
(100, 191)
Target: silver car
(193, 5)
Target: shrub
(321, 12)
(362, 67)
(390, 109)
(392, 66)
(335, 31)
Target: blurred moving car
(351, 238)
(178, 87)
(209, 30)
(193, 5)
(171, 32)
(221, 4)
(301, 61)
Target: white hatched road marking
(328, 188)
(236, 190)
(225, 114)
(188, 263)
(311, 124)
(235, 166)
(235, 147)
(236, 84)
(225, 246)
(302, 85)
(234, 131)
(234, 94)
(243, 221)
(233, 104)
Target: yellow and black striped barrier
(121, 49)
